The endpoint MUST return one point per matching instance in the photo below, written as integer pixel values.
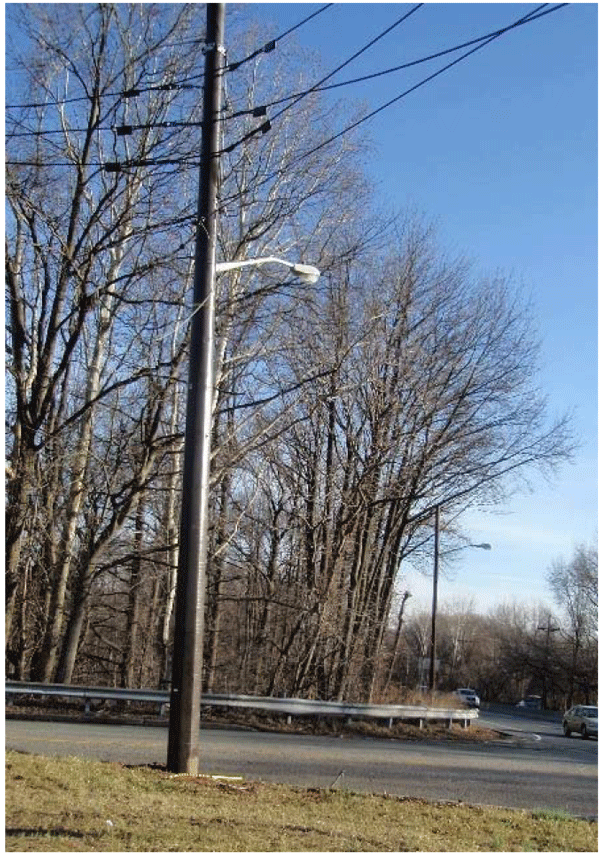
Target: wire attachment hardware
(220, 48)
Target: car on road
(468, 697)
(581, 719)
(531, 701)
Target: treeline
(344, 412)
(511, 652)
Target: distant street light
(306, 272)
(436, 558)
(548, 628)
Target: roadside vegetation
(345, 411)
(78, 805)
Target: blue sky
(501, 153)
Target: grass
(74, 804)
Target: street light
(436, 558)
(306, 272)
(186, 680)
(548, 629)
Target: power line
(353, 57)
(259, 111)
(49, 132)
(531, 16)
(266, 125)
(270, 45)
(120, 130)
(480, 43)
(184, 83)
(127, 93)
(109, 166)
(384, 71)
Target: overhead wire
(261, 109)
(110, 166)
(531, 16)
(353, 57)
(480, 43)
(127, 93)
(184, 83)
(382, 72)
(270, 45)
(267, 125)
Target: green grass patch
(72, 804)
(553, 814)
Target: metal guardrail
(276, 705)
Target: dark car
(531, 701)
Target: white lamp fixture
(306, 272)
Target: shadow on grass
(44, 831)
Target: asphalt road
(537, 768)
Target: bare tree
(101, 203)
(90, 281)
(430, 402)
(343, 413)
(575, 588)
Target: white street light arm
(306, 272)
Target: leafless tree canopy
(344, 412)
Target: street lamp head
(486, 546)
(307, 273)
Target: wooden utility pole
(184, 722)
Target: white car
(468, 697)
(581, 719)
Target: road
(538, 768)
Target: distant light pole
(436, 561)
(548, 629)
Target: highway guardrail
(291, 707)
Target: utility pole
(548, 628)
(436, 562)
(186, 687)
